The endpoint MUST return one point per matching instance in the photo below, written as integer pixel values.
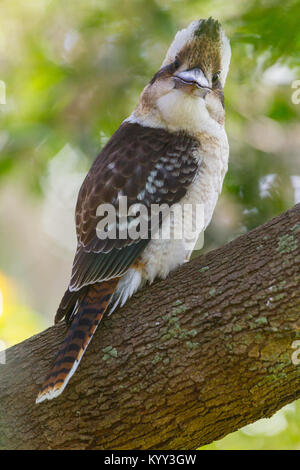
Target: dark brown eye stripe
(166, 70)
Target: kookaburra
(172, 149)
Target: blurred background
(70, 72)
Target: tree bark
(186, 361)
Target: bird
(172, 149)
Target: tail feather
(80, 333)
(69, 305)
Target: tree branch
(185, 362)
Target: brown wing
(149, 166)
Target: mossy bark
(186, 361)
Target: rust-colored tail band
(83, 327)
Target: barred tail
(80, 333)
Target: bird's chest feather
(213, 164)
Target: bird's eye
(176, 63)
(216, 76)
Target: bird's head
(188, 88)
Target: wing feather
(149, 166)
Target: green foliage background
(73, 71)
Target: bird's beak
(193, 77)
